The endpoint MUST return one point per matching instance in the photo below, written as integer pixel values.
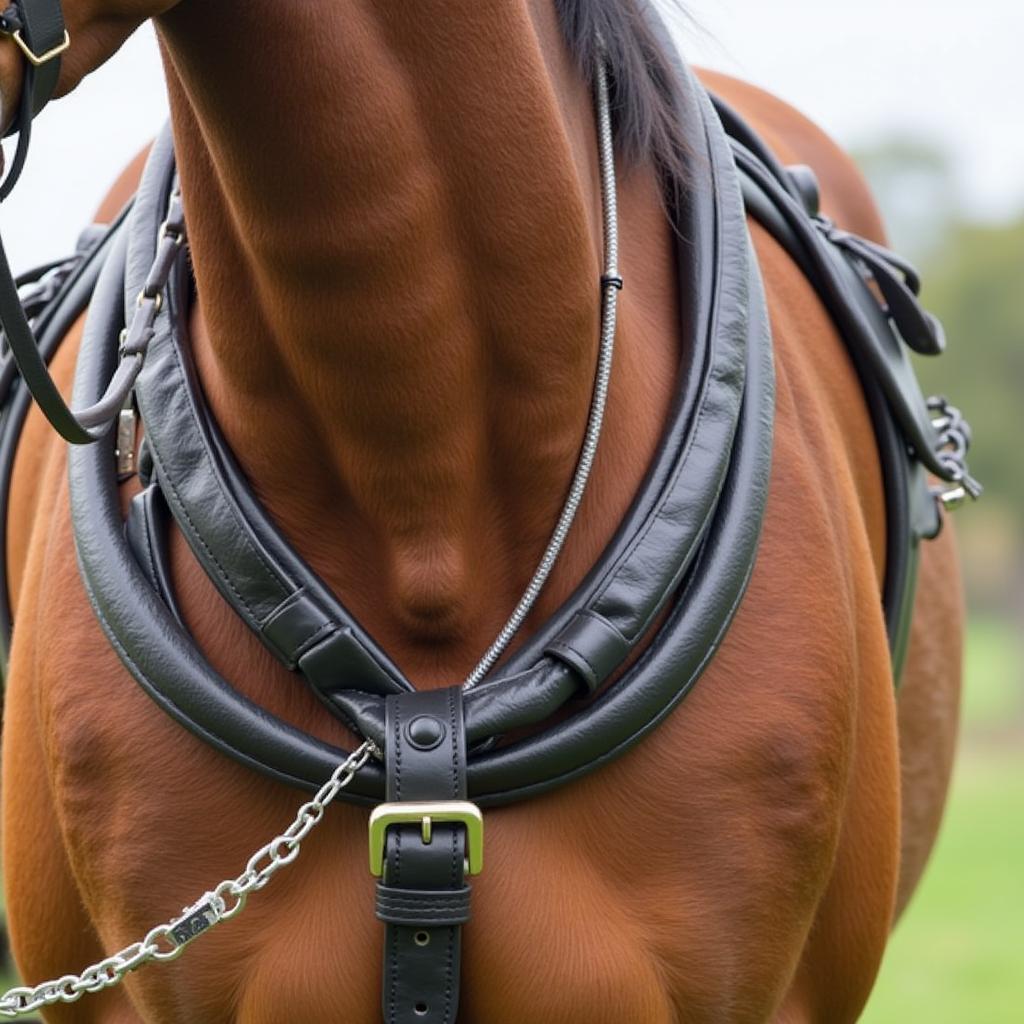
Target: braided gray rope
(611, 283)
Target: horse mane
(640, 77)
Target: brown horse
(395, 225)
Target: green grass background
(957, 957)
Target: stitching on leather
(411, 916)
(229, 505)
(422, 897)
(392, 902)
(202, 543)
(397, 867)
(452, 900)
(282, 583)
(455, 745)
(300, 647)
(523, 792)
(657, 517)
(148, 535)
(393, 972)
(407, 919)
(701, 416)
(397, 705)
(453, 932)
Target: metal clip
(952, 499)
(194, 921)
(125, 450)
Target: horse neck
(397, 249)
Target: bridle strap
(37, 28)
(82, 428)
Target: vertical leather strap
(423, 897)
(41, 29)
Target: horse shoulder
(927, 707)
(796, 139)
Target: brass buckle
(38, 59)
(425, 814)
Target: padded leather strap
(709, 479)
(423, 898)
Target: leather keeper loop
(592, 646)
(423, 908)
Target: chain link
(223, 902)
(953, 444)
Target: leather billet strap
(423, 898)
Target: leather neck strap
(708, 480)
(423, 898)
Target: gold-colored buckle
(38, 59)
(426, 814)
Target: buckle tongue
(426, 814)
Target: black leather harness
(37, 28)
(685, 549)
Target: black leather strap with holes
(423, 898)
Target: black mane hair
(640, 77)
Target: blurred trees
(974, 282)
(975, 285)
(914, 183)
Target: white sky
(946, 70)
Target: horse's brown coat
(398, 334)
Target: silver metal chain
(953, 444)
(227, 900)
(611, 285)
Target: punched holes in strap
(420, 840)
